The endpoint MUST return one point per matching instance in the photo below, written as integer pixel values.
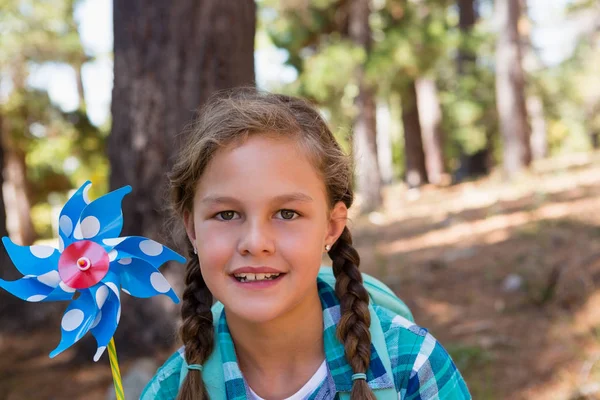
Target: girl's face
(260, 222)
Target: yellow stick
(114, 366)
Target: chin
(255, 311)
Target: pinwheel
(93, 261)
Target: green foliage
(62, 149)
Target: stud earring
(195, 251)
(327, 247)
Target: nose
(256, 239)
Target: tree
(364, 137)
(467, 16)
(510, 89)
(416, 173)
(413, 38)
(169, 58)
(7, 271)
(430, 118)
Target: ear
(188, 221)
(337, 222)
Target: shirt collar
(339, 369)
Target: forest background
(474, 126)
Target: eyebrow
(296, 196)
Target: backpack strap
(378, 340)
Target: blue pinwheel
(93, 260)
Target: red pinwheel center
(83, 264)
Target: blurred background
(474, 126)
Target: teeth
(247, 277)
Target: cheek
(215, 246)
(301, 241)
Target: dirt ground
(505, 276)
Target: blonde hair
(228, 118)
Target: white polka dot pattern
(72, 320)
(113, 241)
(99, 353)
(151, 248)
(66, 225)
(97, 320)
(66, 287)
(159, 283)
(41, 251)
(101, 295)
(86, 193)
(112, 287)
(51, 279)
(90, 227)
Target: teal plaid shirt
(421, 367)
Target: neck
(287, 350)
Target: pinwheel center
(84, 263)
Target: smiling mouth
(248, 277)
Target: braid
(196, 332)
(353, 328)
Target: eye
(225, 215)
(288, 214)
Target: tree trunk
(416, 173)
(8, 302)
(384, 142)
(77, 67)
(510, 84)
(169, 58)
(16, 198)
(430, 117)
(365, 125)
(467, 16)
(539, 140)
(15, 183)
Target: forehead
(259, 168)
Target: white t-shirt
(309, 387)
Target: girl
(263, 190)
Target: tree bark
(539, 135)
(169, 58)
(416, 173)
(510, 84)
(8, 302)
(430, 117)
(15, 183)
(365, 125)
(15, 192)
(384, 142)
(467, 17)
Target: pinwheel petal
(76, 321)
(27, 288)
(140, 279)
(103, 217)
(60, 293)
(32, 260)
(106, 322)
(113, 281)
(146, 249)
(70, 213)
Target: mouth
(246, 277)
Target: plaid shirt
(421, 367)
